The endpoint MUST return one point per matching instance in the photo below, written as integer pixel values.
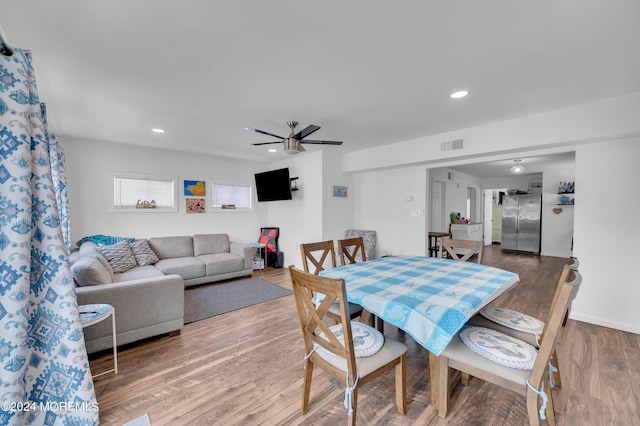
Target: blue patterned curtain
(44, 369)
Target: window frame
(149, 177)
(219, 209)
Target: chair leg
(365, 316)
(550, 411)
(532, 408)
(443, 380)
(308, 374)
(354, 415)
(557, 381)
(401, 385)
(464, 378)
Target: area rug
(215, 299)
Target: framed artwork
(195, 188)
(195, 205)
(340, 191)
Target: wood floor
(245, 368)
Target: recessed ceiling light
(157, 130)
(460, 94)
(273, 150)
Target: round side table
(95, 313)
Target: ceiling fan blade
(266, 143)
(263, 132)
(323, 142)
(307, 131)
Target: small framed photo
(195, 188)
(340, 191)
(195, 205)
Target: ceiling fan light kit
(293, 143)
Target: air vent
(452, 145)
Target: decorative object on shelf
(567, 187)
(557, 210)
(517, 169)
(456, 218)
(146, 204)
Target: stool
(434, 237)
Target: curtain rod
(4, 47)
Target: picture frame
(195, 188)
(195, 205)
(340, 191)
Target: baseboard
(631, 328)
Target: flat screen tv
(273, 185)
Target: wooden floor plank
(245, 368)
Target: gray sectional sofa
(148, 298)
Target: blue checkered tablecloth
(429, 298)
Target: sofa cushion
(119, 256)
(143, 253)
(89, 270)
(170, 247)
(210, 244)
(222, 263)
(138, 273)
(187, 267)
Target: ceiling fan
(293, 143)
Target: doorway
(438, 206)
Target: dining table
(429, 298)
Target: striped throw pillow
(143, 253)
(119, 256)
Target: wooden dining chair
(351, 250)
(522, 326)
(471, 248)
(318, 256)
(482, 353)
(332, 348)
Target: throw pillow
(143, 253)
(88, 270)
(499, 348)
(366, 340)
(119, 256)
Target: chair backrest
(568, 285)
(369, 238)
(471, 248)
(269, 237)
(351, 250)
(317, 254)
(305, 285)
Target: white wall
(90, 165)
(315, 214)
(381, 205)
(607, 233)
(299, 219)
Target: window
(236, 195)
(144, 193)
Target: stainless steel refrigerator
(521, 217)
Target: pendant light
(517, 169)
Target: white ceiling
(368, 72)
